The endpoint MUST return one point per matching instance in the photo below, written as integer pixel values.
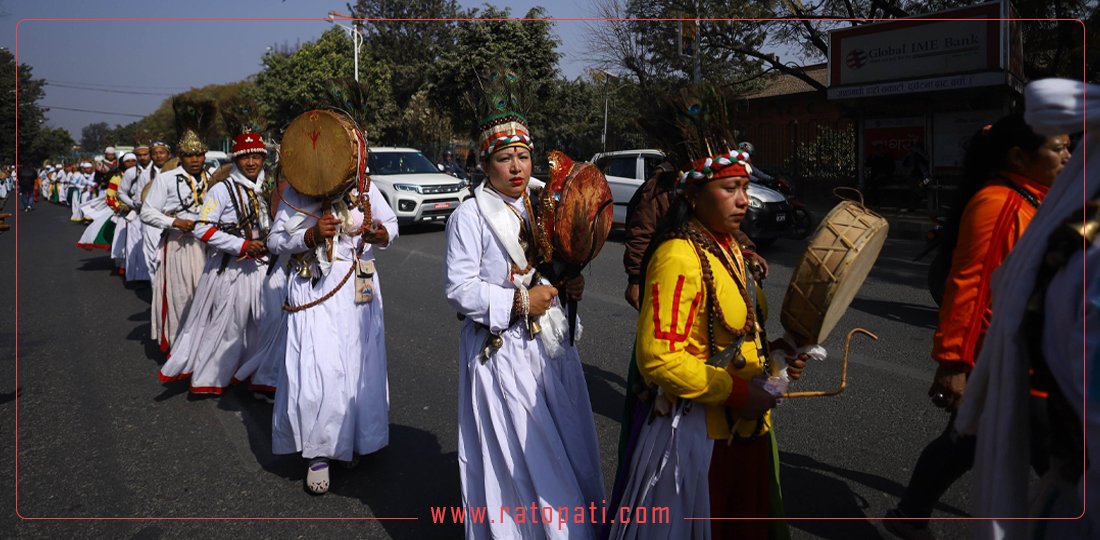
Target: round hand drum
(321, 153)
(832, 270)
(574, 212)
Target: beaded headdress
(502, 125)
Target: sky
(129, 67)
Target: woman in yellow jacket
(706, 449)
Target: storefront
(921, 87)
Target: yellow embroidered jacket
(672, 341)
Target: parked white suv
(413, 185)
(768, 214)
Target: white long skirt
(669, 469)
(77, 197)
(136, 267)
(333, 396)
(212, 340)
(183, 257)
(118, 243)
(526, 436)
(266, 353)
(151, 238)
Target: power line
(85, 83)
(92, 111)
(108, 90)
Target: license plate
(439, 205)
(779, 218)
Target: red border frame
(1084, 63)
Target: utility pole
(356, 34)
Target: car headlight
(407, 187)
(755, 203)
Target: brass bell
(534, 328)
(496, 342)
(739, 360)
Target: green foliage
(409, 48)
(160, 125)
(424, 127)
(95, 137)
(526, 47)
(291, 84)
(31, 115)
(51, 143)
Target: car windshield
(399, 163)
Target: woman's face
(509, 170)
(1044, 165)
(721, 204)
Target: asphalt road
(105, 450)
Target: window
(622, 166)
(649, 164)
(399, 163)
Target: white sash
(505, 226)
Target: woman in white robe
(332, 401)
(526, 435)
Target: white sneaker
(317, 476)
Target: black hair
(986, 153)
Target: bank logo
(856, 59)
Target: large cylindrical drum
(574, 212)
(322, 153)
(832, 270)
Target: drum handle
(843, 370)
(838, 190)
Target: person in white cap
(80, 190)
(160, 153)
(128, 194)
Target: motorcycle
(802, 220)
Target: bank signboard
(935, 48)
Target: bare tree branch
(774, 63)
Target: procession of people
(256, 281)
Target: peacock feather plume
(692, 123)
(197, 114)
(241, 112)
(349, 96)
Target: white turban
(128, 155)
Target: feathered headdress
(350, 97)
(695, 129)
(194, 123)
(500, 100)
(242, 112)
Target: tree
(31, 115)
(291, 84)
(95, 137)
(52, 143)
(484, 44)
(409, 48)
(649, 50)
(160, 126)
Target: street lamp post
(606, 97)
(356, 35)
